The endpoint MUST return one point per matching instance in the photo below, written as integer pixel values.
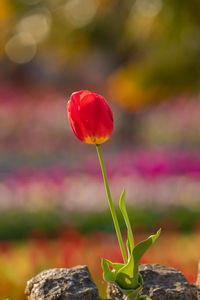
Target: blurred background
(143, 56)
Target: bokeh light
(37, 25)
(21, 48)
(148, 9)
(80, 13)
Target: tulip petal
(90, 117)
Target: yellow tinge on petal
(95, 140)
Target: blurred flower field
(143, 57)
(162, 178)
(38, 168)
(53, 211)
(20, 261)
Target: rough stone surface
(161, 283)
(62, 284)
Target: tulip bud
(90, 117)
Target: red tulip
(90, 117)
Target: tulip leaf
(115, 266)
(130, 240)
(140, 279)
(124, 276)
(118, 268)
(108, 275)
(128, 246)
(132, 294)
(141, 248)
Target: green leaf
(124, 276)
(108, 275)
(128, 246)
(141, 248)
(115, 266)
(140, 279)
(130, 241)
(143, 297)
(132, 294)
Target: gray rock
(161, 283)
(62, 284)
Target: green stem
(112, 208)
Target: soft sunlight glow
(148, 8)
(141, 18)
(38, 25)
(21, 48)
(80, 13)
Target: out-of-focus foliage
(18, 224)
(145, 50)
